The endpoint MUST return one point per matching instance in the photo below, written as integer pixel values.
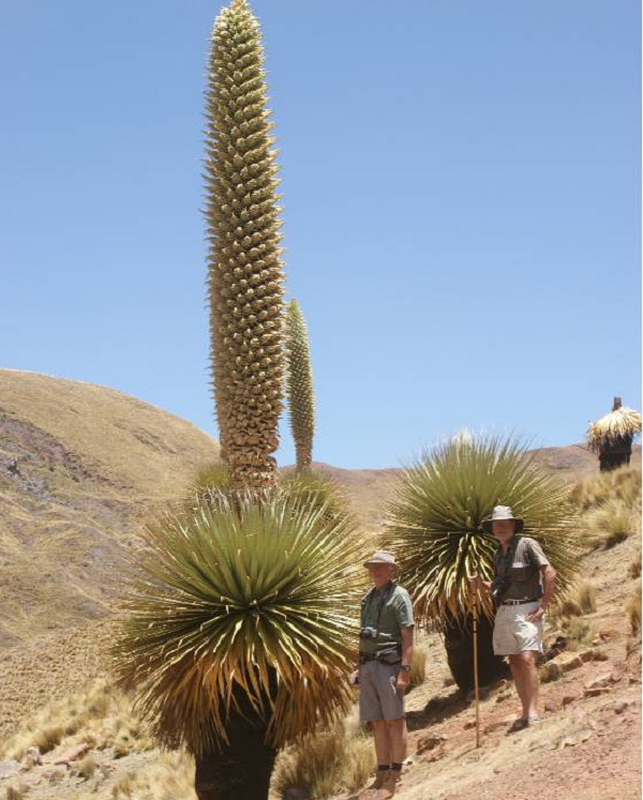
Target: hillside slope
(587, 748)
(79, 465)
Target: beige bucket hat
(502, 512)
(381, 557)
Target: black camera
(368, 633)
(499, 587)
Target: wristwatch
(405, 667)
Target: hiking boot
(380, 779)
(391, 783)
(518, 725)
(524, 722)
(372, 792)
(368, 794)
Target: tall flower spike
(245, 270)
(299, 382)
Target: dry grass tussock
(170, 777)
(569, 618)
(99, 715)
(578, 631)
(633, 609)
(610, 506)
(581, 600)
(16, 791)
(102, 716)
(417, 675)
(327, 762)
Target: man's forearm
(407, 646)
(549, 586)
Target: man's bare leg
(517, 673)
(532, 683)
(382, 741)
(398, 737)
(383, 751)
(398, 734)
(525, 674)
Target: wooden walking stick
(476, 687)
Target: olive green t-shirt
(395, 612)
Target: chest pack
(516, 580)
(389, 652)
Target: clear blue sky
(461, 186)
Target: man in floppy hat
(522, 589)
(385, 652)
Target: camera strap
(507, 560)
(383, 600)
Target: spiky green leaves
(261, 596)
(317, 489)
(245, 267)
(433, 522)
(299, 382)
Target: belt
(363, 658)
(520, 602)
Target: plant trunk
(458, 642)
(240, 770)
(616, 454)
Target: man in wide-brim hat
(385, 653)
(522, 589)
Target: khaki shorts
(512, 635)
(378, 697)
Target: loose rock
(72, 754)
(600, 682)
(433, 755)
(597, 691)
(34, 754)
(551, 671)
(430, 742)
(569, 661)
(54, 775)
(574, 738)
(9, 768)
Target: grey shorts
(512, 634)
(378, 697)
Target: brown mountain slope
(79, 464)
